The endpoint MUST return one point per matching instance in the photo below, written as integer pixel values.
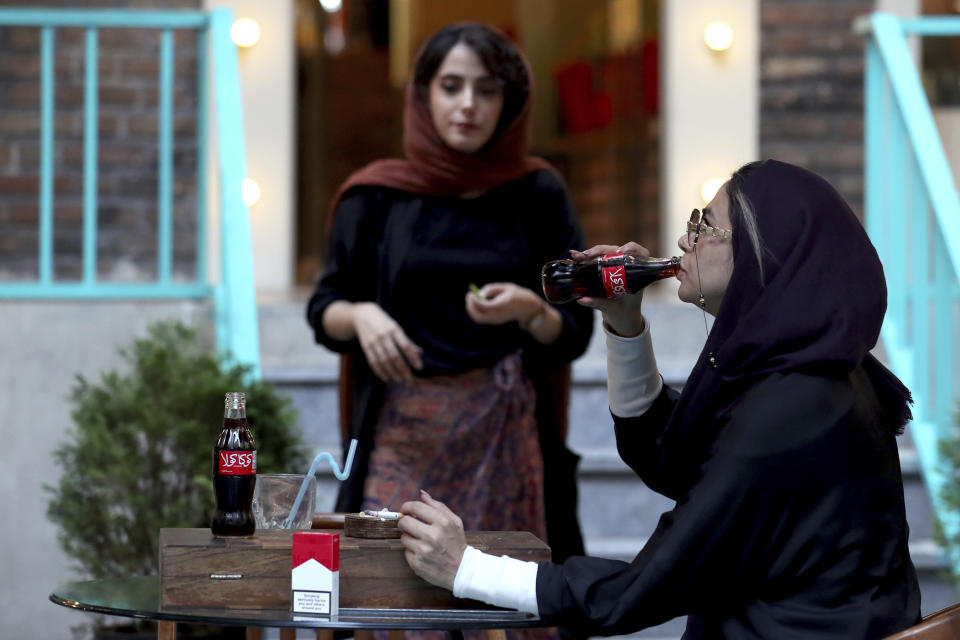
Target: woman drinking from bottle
(780, 452)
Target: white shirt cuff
(501, 581)
(633, 382)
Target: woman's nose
(467, 100)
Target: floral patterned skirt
(471, 441)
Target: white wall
(267, 77)
(710, 106)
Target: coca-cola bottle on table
(234, 471)
(609, 276)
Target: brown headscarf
(433, 168)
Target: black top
(416, 256)
(505, 235)
(795, 529)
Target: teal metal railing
(913, 217)
(233, 295)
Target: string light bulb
(249, 192)
(718, 36)
(331, 6)
(245, 32)
(709, 188)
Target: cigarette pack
(315, 578)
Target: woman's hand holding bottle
(622, 316)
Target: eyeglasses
(696, 228)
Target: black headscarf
(817, 310)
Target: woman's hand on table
(390, 353)
(432, 539)
(622, 316)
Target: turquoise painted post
(919, 287)
(943, 278)
(90, 160)
(241, 337)
(897, 161)
(202, 151)
(919, 336)
(165, 159)
(46, 156)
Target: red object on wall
(628, 88)
(575, 91)
(650, 64)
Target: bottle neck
(235, 413)
(235, 405)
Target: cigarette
(383, 514)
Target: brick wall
(127, 166)
(811, 89)
(613, 177)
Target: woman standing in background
(448, 388)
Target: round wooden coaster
(357, 526)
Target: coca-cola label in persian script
(238, 463)
(615, 281)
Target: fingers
(386, 362)
(602, 249)
(439, 506)
(393, 356)
(634, 248)
(425, 513)
(429, 511)
(410, 351)
(433, 539)
(501, 302)
(596, 251)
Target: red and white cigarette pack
(316, 573)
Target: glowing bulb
(249, 192)
(718, 36)
(710, 188)
(245, 32)
(331, 6)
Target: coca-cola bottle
(234, 471)
(609, 276)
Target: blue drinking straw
(341, 476)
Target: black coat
(381, 235)
(794, 529)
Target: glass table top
(139, 597)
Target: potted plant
(139, 455)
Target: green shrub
(139, 457)
(949, 449)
